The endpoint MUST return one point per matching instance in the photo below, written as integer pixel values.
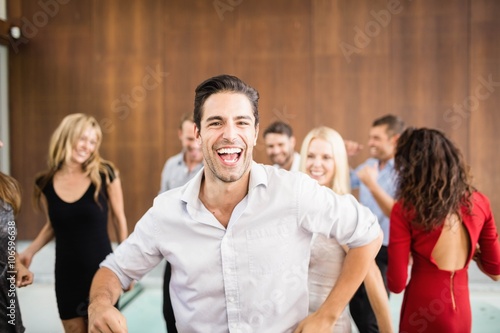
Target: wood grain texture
(480, 105)
(134, 65)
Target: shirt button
(231, 299)
(229, 271)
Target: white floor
(39, 309)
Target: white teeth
(229, 151)
(81, 153)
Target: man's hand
(316, 323)
(352, 147)
(104, 292)
(368, 175)
(105, 318)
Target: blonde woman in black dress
(76, 192)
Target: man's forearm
(104, 293)
(383, 199)
(106, 287)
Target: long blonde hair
(10, 192)
(61, 146)
(341, 181)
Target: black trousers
(168, 311)
(359, 306)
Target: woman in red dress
(438, 225)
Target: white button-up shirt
(252, 276)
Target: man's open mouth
(229, 155)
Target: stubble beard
(218, 172)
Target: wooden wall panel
(48, 79)
(274, 53)
(480, 105)
(198, 45)
(430, 63)
(128, 82)
(338, 63)
(351, 67)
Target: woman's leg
(75, 325)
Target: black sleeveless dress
(82, 242)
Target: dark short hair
(187, 116)
(223, 83)
(395, 125)
(278, 127)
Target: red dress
(437, 300)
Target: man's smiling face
(227, 135)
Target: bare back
(452, 248)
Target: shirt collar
(258, 176)
(389, 164)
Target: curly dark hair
(434, 180)
(278, 127)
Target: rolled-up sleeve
(338, 216)
(138, 254)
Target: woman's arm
(377, 295)
(115, 195)
(487, 254)
(44, 236)
(355, 267)
(379, 301)
(477, 259)
(24, 276)
(399, 250)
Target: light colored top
(387, 179)
(175, 172)
(295, 164)
(327, 258)
(252, 276)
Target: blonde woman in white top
(324, 158)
